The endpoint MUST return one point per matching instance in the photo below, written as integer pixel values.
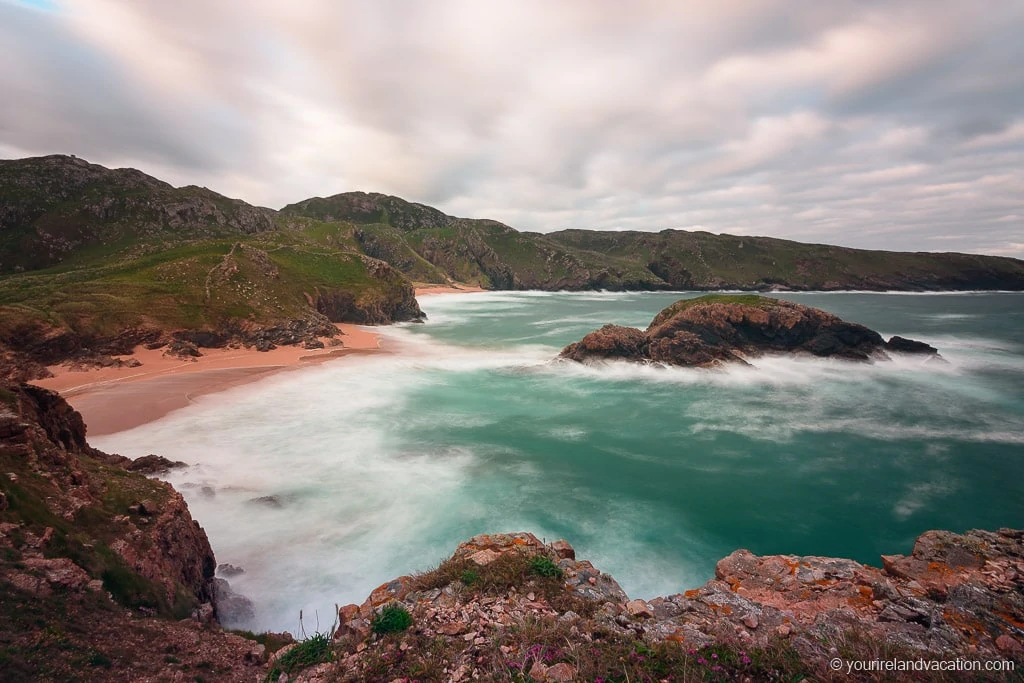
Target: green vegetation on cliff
(89, 255)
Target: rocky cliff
(714, 329)
(105, 576)
(510, 607)
(97, 563)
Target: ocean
(380, 465)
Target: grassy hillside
(494, 255)
(95, 258)
(700, 260)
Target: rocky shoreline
(495, 616)
(92, 549)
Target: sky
(893, 125)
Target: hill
(96, 260)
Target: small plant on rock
(469, 577)
(314, 650)
(543, 566)
(393, 618)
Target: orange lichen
(1010, 620)
(863, 599)
(692, 593)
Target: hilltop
(95, 261)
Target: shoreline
(117, 399)
(433, 290)
(120, 398)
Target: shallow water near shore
(379, 466)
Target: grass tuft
(314, 650)
(543, 566)
(393, 618)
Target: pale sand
(115, 399)
(428, 290)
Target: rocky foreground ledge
(104, 576)
(510, 607)
(719, 328)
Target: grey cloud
(874, 124)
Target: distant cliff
(93, 260)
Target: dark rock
(263, 345)
(902, 345)
(312, 344)
(268, 501)
(229, 570)
(153, 464)
(205, 339)
(714, 329)
(233, 609)
(182, 349)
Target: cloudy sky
(892, 124)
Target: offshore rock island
(717, 328)
(106, 577)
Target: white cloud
(873, 124)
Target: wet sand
(429, 290)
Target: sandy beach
(429, 290)
(119, 398)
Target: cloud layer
(896, 125)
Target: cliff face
(723, 328)
(508, 605)
(131, 534)
(98, 564)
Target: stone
(561, 672)
(268, 501)
(750, 621)
(1008, 645)
(229, 570)
(563, 550)
(639, 609)
(484, 557)
(453, 628)
(153, 464)
(59, 572)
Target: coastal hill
(104, 576)
(95, 261)
(719, 328)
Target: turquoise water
(383, 464)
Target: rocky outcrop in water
(718, 328)
(509, 605)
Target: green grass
(314, 650)
(543, 566)
(393, 618)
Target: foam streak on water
(380, 465)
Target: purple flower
(714, 656)
(745, 660)
(701, 660)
